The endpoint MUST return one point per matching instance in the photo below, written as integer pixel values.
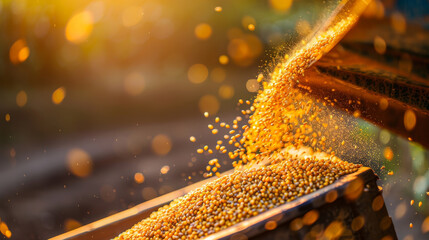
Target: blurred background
(99, 99)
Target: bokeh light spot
(375, 9)
(209, 103)
(281, 5)
(357, 223)
(223, 59)
(379, 45)
(161, 144)
(331, 196)
(384, 136)
(139, 177)
(245, 49)
(7, 117)
(19, 51)
(218, 75)
(58, 95)
(251, 27)
(203, 31)
(270, 225)
(388, 153)
(310, 217)
(21, 98)
(334, 230)
(296, 224)
(4, 229)
(79, 162)
(377, 203)
(79, 27)
(226, 91)
(399, 23)
(410, 119)
(198, 73)
(383, 104)
(248, 20)
(252, 85)
(354, 189)
(400, 210)
(165, 169)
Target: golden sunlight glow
(58, 95)
(281, 5)
(19, 51)
(198, 73)
(79, 27)
(21, 98)
(203, 31)
(132, 15)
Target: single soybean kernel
(192, 139)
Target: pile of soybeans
(236, 197)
